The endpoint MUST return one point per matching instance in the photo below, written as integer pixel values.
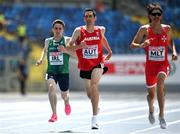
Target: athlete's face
(155, 15)
(89, 18)
(58, 30)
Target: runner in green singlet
(58, 67)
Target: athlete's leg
(151, 96)
(52, 94)
(160, 93)
(95, 78)
(161, 99)
(150, 100)
(151, 81)
(88, 88)
(65, 97)
(63, 81)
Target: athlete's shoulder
(48, 39)
(166, 26)
(46, 42)
(143, 28)
(146, 26)
(100, 27)
(78, 28)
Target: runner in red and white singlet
(156, 55)
(89, 40)
(155, 38)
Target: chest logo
(164, 38)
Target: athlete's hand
(62, 49)
(83, 44)
(146, 42)
(174, 57)
(107, 57)
(38, 62)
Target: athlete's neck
(90, 28)
(157, 28)
(155, 25)
(57, 38)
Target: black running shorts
(61, 79)
(87, 74)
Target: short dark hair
(153, 6)
(59, 22)
(90, 9)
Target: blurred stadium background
(122, 18)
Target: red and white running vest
(93, 54)
(157, 51)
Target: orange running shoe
(53, 118)
(67, 109)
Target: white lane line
(26, 113)
(21, 106)
(85, 116)
(36, 116)
(19, 117)
(24, 125)
(21, 114)
(157, 126)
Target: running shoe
(151, 118)
(53, 118)
(94, 124)
(151, 114)
(162, 123)
(67, 109)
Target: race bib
(56, 58)
(157, 53)
(91, 52)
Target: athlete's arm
(137, 41)
(71, 53)
(171, 44)
(106, 44)
(43, 53)
(74, 38)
